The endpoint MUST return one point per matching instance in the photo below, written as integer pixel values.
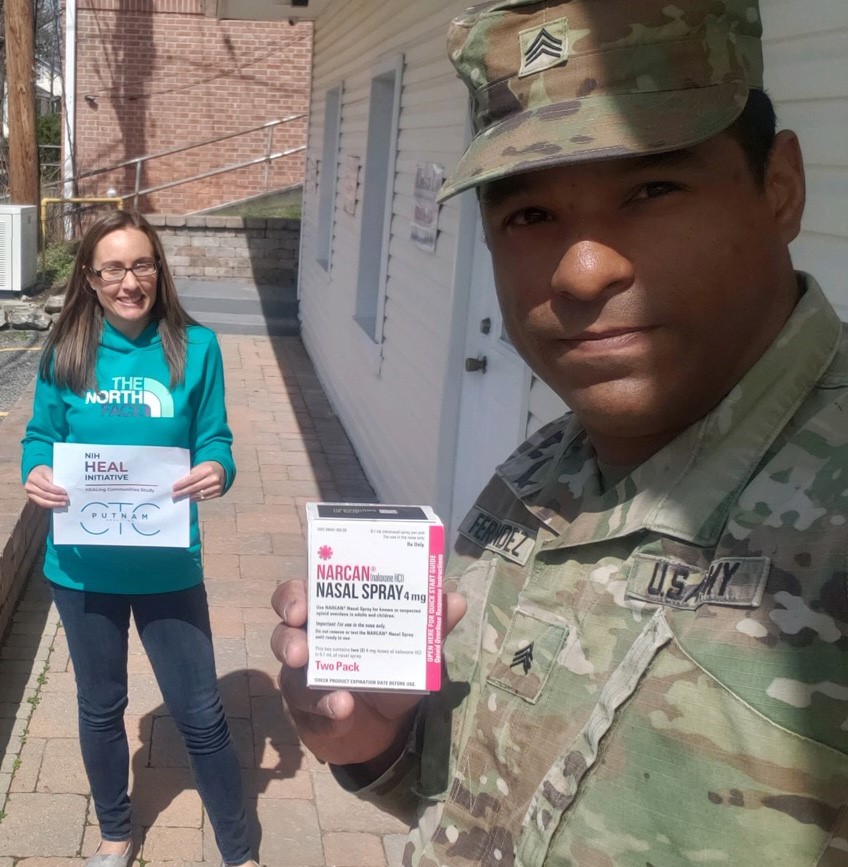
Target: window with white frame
(328, 176)
(377, 192)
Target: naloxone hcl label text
(375, 597)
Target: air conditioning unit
(265, 10)
(18, 247)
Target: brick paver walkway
(289, 449)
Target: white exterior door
(495, 390)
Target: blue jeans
(174, 629)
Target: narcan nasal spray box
(375, 597)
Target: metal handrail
(138, 162)
(220, 171)
(266, 125)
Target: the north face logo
(543, 47)
(133, 396)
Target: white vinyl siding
(378, 189)
(327, 177)
(806, 66)
(390, 396)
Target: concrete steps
(238, 306)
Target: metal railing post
(137, 183)
(268, 151)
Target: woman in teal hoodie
(126, 365)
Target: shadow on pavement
(266, 744)
(336, 470)
(24, 654)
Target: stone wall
(23, 526)
(263, 249)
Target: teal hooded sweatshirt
(134, 404)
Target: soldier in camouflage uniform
(653, 665)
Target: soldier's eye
(529, 217)
(654, 190)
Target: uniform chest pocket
(527, 655)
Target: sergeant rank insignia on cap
(543, 47)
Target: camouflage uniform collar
(683, 491)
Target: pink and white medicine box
(375, 597)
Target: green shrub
(56, 264)
(48, 129)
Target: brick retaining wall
(257, 248)
(23, 526)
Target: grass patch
(285, 204)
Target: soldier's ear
(785, 185)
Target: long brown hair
(70, 351)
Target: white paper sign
(424, 228)
(120, 495)
(350, 184)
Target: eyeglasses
(116, 273)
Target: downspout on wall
(70, 100)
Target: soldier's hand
(341, 727)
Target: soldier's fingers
(289, 646)
(311, 708)
(289, 601)
(455, 608)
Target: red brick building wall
(157, 74)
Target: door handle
(473, 365)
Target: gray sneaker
(98, 860)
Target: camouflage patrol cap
(562, 81)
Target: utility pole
(20, 77)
